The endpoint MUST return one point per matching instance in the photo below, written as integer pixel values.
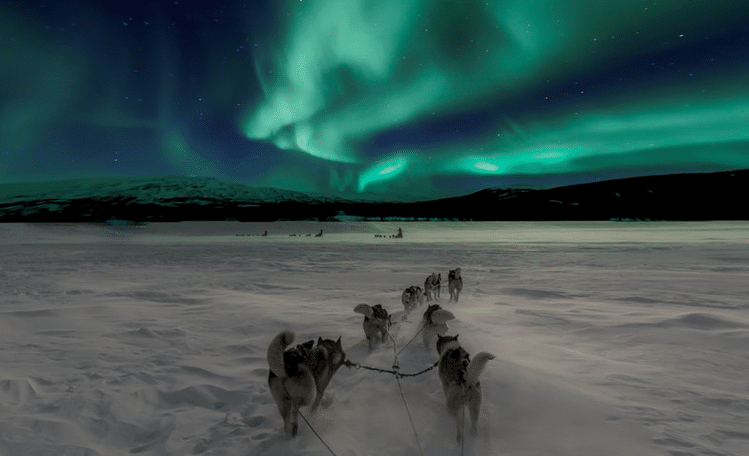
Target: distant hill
(678, 197)
(697, 196)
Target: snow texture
(610, 338)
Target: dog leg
(291, 422)
(474, 406)
(315, 404)
(286, 408)
(461, 421)
(456, 406)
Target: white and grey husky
(435, 322)
(454, 283)
(412, 296)
(299, 376)
(460, 380)
(376, 324)
(432, 286)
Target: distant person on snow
(400, 233)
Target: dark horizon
(676, 197)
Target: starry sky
(389, 98)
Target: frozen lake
(610, 338)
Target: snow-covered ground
(610, 338)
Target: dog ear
(319, 340)
(339, 341)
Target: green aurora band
(349, 69)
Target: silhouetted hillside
(699, 196)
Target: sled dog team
(299, 376)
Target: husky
(299, 377)
(460, 380)
(432, 286)
(376, 324)
(411, 296)
(435, 322)
(454, 283)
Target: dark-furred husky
(454, 283)
(299, 376)
(412, 296)
(376, 324)
(460, 380)
(432, 286)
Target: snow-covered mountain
(161, 198)
(699, 196)
(159, 189)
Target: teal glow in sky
(418, 98)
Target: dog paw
(326, 401)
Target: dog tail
(440, 316)
(364, 309)
(275, 352)
(476, 367)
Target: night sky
(409, 98)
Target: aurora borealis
(414, 98)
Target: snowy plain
(610, 338)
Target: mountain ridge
(688, 196)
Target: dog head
(454, 274)
(449, 347)
(379, 312)
(334, 350)
(447, 343)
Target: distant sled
(399, 234)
